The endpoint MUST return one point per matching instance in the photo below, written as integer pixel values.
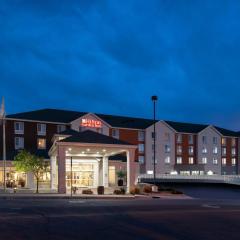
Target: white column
(105, 171)
(30, 180)
(53, 170)
(128, 172)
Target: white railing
(234, 179)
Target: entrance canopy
(86, 146)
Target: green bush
(87, 191)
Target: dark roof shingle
(186, 127)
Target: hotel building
(100, 145)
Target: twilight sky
(111, 56)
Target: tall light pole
(154, 99)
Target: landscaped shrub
(147, 189)
(120, 191)
(135, 190)
(87, 191)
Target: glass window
(204, 150)
(214, 140)
(215, 150)
(215, 161)
(19, 143)
(190, 139)
(179, 149)
(167, 160)
(204, 139)
(204, 160)
(190, 160)
(141, 148)
(153, 160)
(41, 143)
(141, 135)
(224, 141)
(62, 128)
(224, 151)
(41, 129)
(167, 149)
(224, 161)
(179, 138)
(233, 161)
(115, 133)
(190, 150)
(233, 151)
(141, 159)
(153, 135)
(233, 142)
(179, 160)
(19, 127)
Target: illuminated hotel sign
(91, 123)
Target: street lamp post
(154, 99)
(71, 176)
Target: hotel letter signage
(91, 123)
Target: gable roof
(89, 136)
(186, 127)
(66, 116)
(226, 132)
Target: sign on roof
(91, 123)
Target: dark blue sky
(111, 56)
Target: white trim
(37, 121)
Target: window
(141, 159)
(224, 151)
(179, 138)
(141, 148)
(115, 133)
(224, 161)
(204, 139)
(62, 128)
(167, 137)
(179, 160)
(233, 161)
(19, 127)
(179, 149)
(190, 150)
(19, 143)
(214, 140)
(204, 150)
(41, 129)
(153, 160)
(167, 160)
(233, 142)
(190, 160)
(204, 160)
(190, 139)
(224, 141)
(167, 149)
(41, 143)
(233, 151)
(141, 135)
(215, 161)
(215, 150)
(153, 135)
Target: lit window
(204, 160)
(141, 135)
(233, 161)
(215, 161)
(224, 161)
(19, 143)
(204, 150)
(167, 160)
(190, 150)
(224, 141)
(115, 133)
(61, 128)
(214, 140)
(141, 148)
(224, 151)
(167, 149)
(41, 129)
(204, 139)
(179, 149)
(179, 160)
(215, 150)
(19, 127)
(190, 160)
(141, 159)
(41, 143)
(179, 138)
(233, 151)
(190, 139)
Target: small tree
(27, 162)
